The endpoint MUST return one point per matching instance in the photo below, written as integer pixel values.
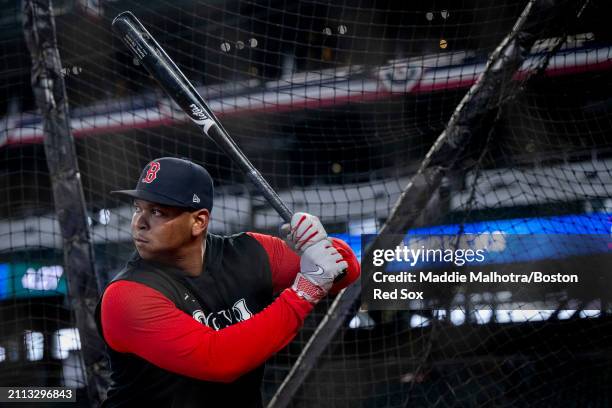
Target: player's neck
(192, 261)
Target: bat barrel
(155, 60)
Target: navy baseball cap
(173, 182)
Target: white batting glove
(304, 231)
(320, 264)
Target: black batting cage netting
(476, 128)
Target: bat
(155, 60)
(161, 67)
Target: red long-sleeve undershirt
(140, 320)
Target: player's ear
(201, 219)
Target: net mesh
(336, 105)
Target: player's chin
(146, 255)
(145, 249)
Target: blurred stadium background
(337, 104)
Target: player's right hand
(319, 266)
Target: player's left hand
(320, 265)
(304, 231)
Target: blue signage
(24, 280)
(520, 239)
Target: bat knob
(340, 277)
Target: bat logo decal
(200, 117)
(197, 112)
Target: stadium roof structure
(315, 89)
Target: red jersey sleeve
(285, 263)
(140, 320)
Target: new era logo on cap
(174, 182)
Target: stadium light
(34, 342)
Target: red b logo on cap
(151, 173)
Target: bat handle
(340, 277)
(270, 195)
(226, 143)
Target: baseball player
(192, 317)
